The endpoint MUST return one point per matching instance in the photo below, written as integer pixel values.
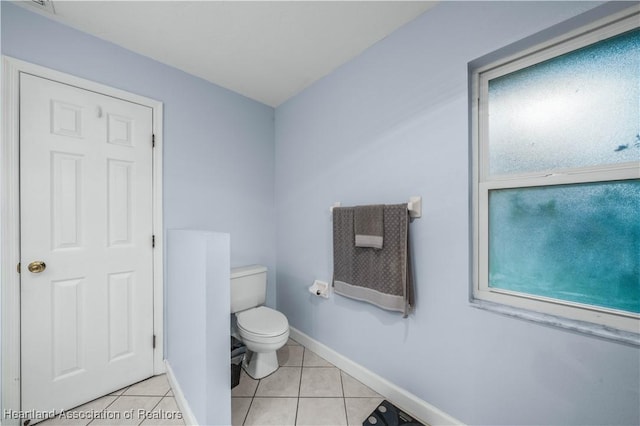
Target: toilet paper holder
(320, 288)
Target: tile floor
(150, 402)
(305, 390)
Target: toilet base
(260, 364)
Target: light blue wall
(393, 123)
(198, 321)
(218, 145)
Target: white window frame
(605, 322)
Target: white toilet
(263, 330)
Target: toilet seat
(262, 322)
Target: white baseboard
(406, 401)
(183, 405)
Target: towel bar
(414, 206)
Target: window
(556, 169)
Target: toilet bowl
(263, 330)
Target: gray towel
(381, 277)
(369, 226)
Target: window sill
(595, 330)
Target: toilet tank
(248, 287)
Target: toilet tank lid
(243, 271)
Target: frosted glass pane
(578, 243)
(579, 109)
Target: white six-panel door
(86, 214)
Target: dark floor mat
(387, 414)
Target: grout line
(344, 400)
(255, 391)
(247, 413)
(157, 403)
(304, 352)
(108, 405)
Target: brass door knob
(37, 266)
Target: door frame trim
(10, 220)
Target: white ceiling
(265, 50)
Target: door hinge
(18, 267)
(154, 341)
(153, 241)
(153, 141)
